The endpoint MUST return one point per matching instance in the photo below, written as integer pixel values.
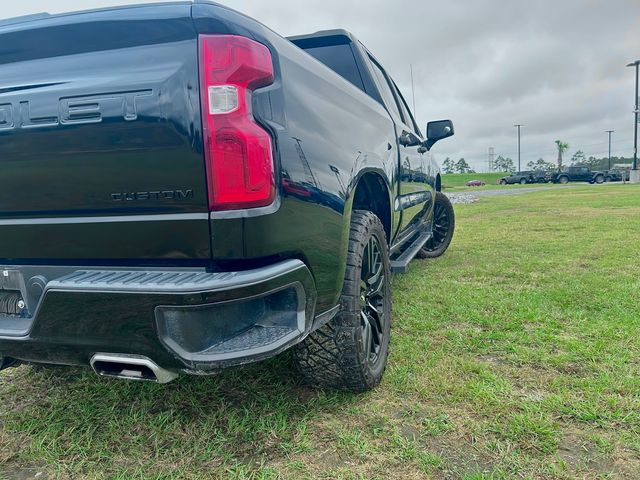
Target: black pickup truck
(185, 190)
(578, 174)
(529, 176)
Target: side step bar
(401, 264)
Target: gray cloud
(556, 66)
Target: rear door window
(340, 59)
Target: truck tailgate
(100, 138)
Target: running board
(401, 264)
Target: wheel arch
(372, 193)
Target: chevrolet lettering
(72, 110)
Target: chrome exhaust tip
(130, 367)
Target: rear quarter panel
(327, 134)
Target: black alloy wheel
(372, 296)
(444, 223)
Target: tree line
(578, 159)
(461, 166)
(506, 164)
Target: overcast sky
(557, 66)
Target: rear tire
(523, 181)
(444, 224)
(350, 352)
(600, 179)
(503, 182)
(563, 180)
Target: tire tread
(331, 357)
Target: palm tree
(562, 147)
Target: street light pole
(518, 127)
(635, 126)
(610, 132)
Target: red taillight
(240, 170)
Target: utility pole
(518, 126)
(635, 113)
(491, 158)
(610, 132)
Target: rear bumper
(188, 320)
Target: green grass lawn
(455, 182)
(515, 355)
(451, 180)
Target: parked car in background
(541, 176)
(185, 190)
(578, 174)
(616, 175)
(518, 177)
(474, 183)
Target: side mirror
(438, 130)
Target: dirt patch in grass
(626, 464)
(582, 455)
(22, 472)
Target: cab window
(340, 59)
